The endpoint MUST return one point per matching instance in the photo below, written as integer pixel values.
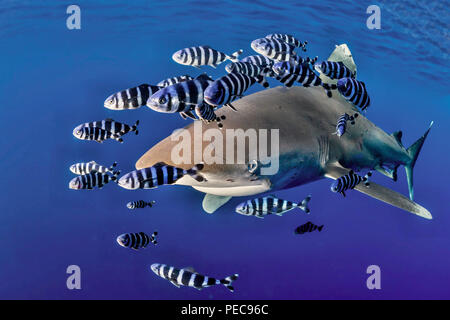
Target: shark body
(308, 151)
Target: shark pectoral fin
(381, 193)
(213, 202)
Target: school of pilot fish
(278, 57)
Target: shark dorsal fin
(398, 136)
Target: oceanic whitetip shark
(308, 151)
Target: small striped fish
(91, 166)
(300, 60)
(157, 175)
(307, 227)
(289, 39)
(188, 277)
(109, 125)
(91, 180)
(96, 134)
(173, 80)
(227, 88)
(139, 204)
(180, 97)
(349, 181)
(203, 56)
(132, 98)
(259, 60)
(354, 91)
(135, 241)
(341, 125)
(335, 70)
(261, 207)
(247, 68)
(274, 49)
(205, 112)
(251, 70)
(290, 72)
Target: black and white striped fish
(274, 49)
(349, 181)
(227, 88)
(205, 112)
(335, 70)
(289, 72)
(203, 56)
(354, 91)
(158, 175)
(258, 60)
(307, 227)
(91, 180)
(91, 166)
(289, 39)
(188, 277)
(263, 206)
(116, 128)
(140, 204)
(341, 125)
(138, 240)
(181, 97)
(247, 68)
(96, 134)
(301, 60)
(132, 98)
(173, 80)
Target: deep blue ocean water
(53, 78)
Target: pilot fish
(203, 56)
(96, 134)
(349, 181)
(173, 80)
(91, 166)
(335, 70)
(188, 277)
(158, 175)
(354, 91)
(181, 97)
(307, 227)
(140, 204)
(227, 88)
(274, 49)
(138, 240)
(109, 125)
(132, 98)
(289, 39)
(261, 207)
(91, 180)
(341, 125)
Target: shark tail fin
(413, 152)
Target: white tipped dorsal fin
(212, 202)
(381, 193)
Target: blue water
(53, 79)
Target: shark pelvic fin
(381, 193)
(213, 202)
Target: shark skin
(308, 149)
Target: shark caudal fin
(413, 152)
(374, 190)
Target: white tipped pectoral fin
(213, 202)
(381, 193)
